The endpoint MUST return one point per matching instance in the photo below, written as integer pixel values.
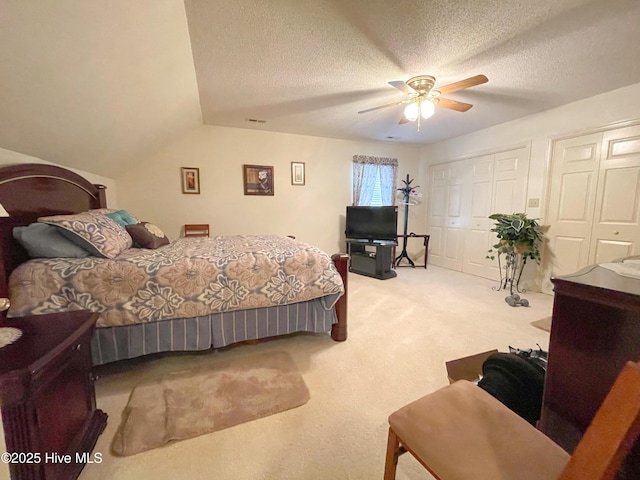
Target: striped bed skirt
(216, 330)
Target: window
(376, 198)
(374, 180)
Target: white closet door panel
(477, 234)
(438, 205)
(510, 181)
(448, 213)
(457, 206)
(454, 242)
(620, 196)
(509, 193)
(569, 253)
(435, 244)
(437, 212)
(503, 198)
(477, 245)
(616, 226)
(454, 204)
(576, 189)
(607, 250)
(572, 192)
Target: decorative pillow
(46, 241)
(147, 235)
(122, 218)
(93, 231)
(105, 211)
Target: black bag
(517, 380)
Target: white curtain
(365, 173)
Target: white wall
(313, 213)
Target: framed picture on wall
(258, 179)
(297, 173)
(190, 178)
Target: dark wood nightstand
(47, 395)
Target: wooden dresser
(47, 396)
(595, 330)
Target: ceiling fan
(423, 98)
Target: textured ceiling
(95, 85)
(308, 66)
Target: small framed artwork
(190, 178)
(297, 173)
(258, 180)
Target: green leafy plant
(518, 235)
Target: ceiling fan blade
(384, 106)
(403, 120)
(403, 87)
(462, 84)
(453, 104)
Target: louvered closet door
(616, 222)
(572, 193)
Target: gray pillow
(45, 241)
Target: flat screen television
(372, 223)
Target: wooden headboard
(32, 190)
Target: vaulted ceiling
(95, 85)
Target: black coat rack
(406, 191)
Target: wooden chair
(196, 230)
(461, 432)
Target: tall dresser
(595, 330)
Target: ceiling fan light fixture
(427, 108)
(412, 112)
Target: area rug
(543, 324)
(189, 403)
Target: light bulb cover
(412, 111)
(427, 109)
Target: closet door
(616, 222)
(478, 237)
(446, 218)
(498, 185)
(572, 193)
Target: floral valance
(371, 160)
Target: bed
(143, 318)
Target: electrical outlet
(534, 202)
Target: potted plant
(519, 239)
(518, 235)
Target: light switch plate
(534, 202)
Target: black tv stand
(376, 263)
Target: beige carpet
(401, 333)
(195, 401)
(543, 324)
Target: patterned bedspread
(188, 278)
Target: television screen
(372, 223)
